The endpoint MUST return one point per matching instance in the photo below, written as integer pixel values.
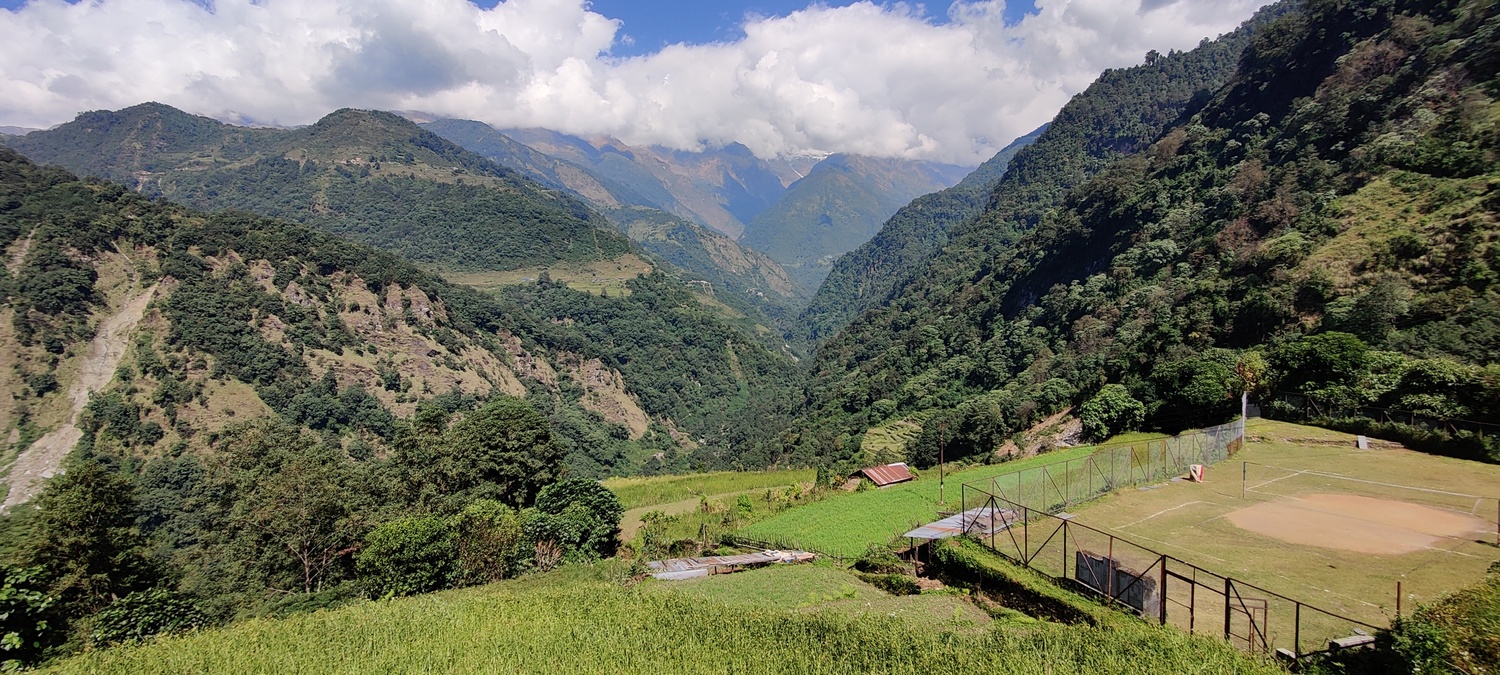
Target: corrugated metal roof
(728, 561)
(889, 474)
(982, 521)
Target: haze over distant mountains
(803, 212)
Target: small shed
(890, 474)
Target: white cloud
(865, 78)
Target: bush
(24, 632)
(145, 614)
(895, 584)
(409, 555)
(581, 516)
(1110, 412)
(880, 560)
(492, 543)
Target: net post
(1398, 598)
(1244, 476)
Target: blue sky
(651, 24)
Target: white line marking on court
(1159, 513)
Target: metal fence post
(1227, 592)
(1162, 600)
(1297, 630)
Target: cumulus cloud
(875, 79)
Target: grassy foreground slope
(578, 620)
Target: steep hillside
(373, 177)
(865, 277)
(1331, 187)
(838, 206)
(741, 276)
(146, 327)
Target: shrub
(1110, 412)
(145, 614)
(895, 584)
(880, 560)
(409, 555)
(24, 632)
(492, 543)
(581, 516)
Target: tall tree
(84, 536)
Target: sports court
(1303, 512)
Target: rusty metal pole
(1398, 599)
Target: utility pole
(942, 442)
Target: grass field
(681, 496)
(653, 490)
(847, 524)
(594, 277)
(582, 620)
(1321, 521)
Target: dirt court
(1356, 523)
(1319, 520)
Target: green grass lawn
(847, 524)
(582, 620)
(654, 490)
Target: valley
(1195, 372)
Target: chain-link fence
(1154, 585)
(1050, 488)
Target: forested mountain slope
(1120, 113)
(250, 316)
(864, 277)
(704, 253)
(839, 205)
(1325, 222)
(370, 176)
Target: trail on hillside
(44, 458)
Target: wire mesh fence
(1060, 485)
(1152, 584)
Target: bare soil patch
(1356, 523)
(44, 458)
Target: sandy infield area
(1359, 524)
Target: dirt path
(44, 458)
